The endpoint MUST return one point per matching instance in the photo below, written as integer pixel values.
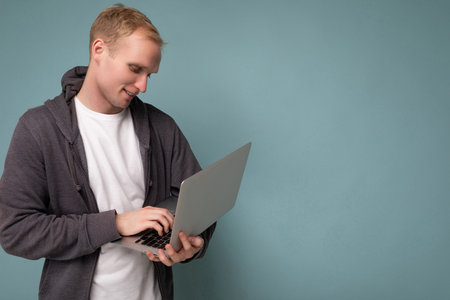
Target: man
(90, 166)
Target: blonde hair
(118, 21)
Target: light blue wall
(346, 193)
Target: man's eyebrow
(137, 65)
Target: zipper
(77, 160)
(148, 175)
(70, 157)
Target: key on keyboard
(152, 239)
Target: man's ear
(98, 49)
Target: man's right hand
(135, 221)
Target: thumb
(196, 241)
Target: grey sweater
(47, 208)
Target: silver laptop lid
(208, 195)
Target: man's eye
(135, 70)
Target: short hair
(118, 21)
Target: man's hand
(191, 245)
(135, 221)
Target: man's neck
(92, 98)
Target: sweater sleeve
(28, 228)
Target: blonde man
(91, 165)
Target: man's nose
(141, 83)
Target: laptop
(203, 199)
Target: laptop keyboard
(152, 239)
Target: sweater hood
(72, 81)
(62, 108)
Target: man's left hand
(191, 245)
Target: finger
(168, 224)
(160, 211)
(187, 251)
(165, 221)
(169, 215)
(185, 242)
(160, 215)
(152, 257)
(164, 259)
(196, 241)
(174, 256)
(156, 226)
(170, 219)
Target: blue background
(347, 103)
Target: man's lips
(130, 93)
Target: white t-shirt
(116, 177)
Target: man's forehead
(140, 51)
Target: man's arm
(27, 227)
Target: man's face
(123, 71)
